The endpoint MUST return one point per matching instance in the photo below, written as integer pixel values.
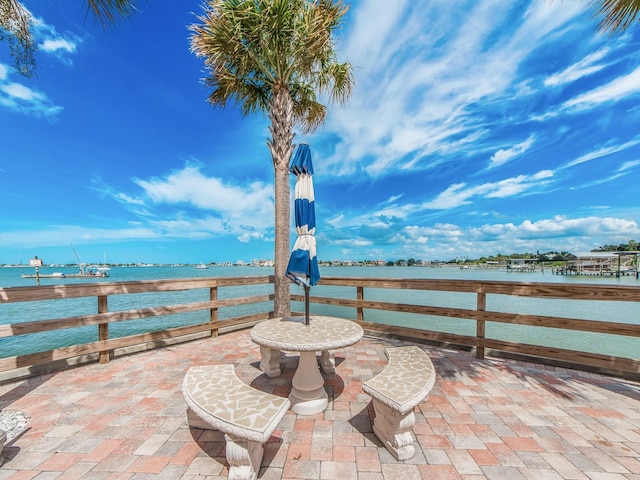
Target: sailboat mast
(75, 255)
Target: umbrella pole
(306, 304)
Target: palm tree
(16, 24)
(274, 56)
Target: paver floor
(493, 418)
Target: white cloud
(21, 92)
(193, 227)
(442, 230)
(502, 156)
(423, 73)
(380, 224)
(585, 67)
(55, 45)
(128, 199)
(623, 170)
(248, 236)
(354, 243)
(602, 152)
(454, 196)
(20, 98)
(190, 186)
(614, 91)
(446, 241)
(59, 45)
(561, 226)
(457, 195)
(393, 223)
(449, 240)
(365, 43)
(515, 185)
(628, 165)
(336, 220)
(186, 204)
(621, 88)
(245, 211)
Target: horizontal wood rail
(361, 297)
(481, 316)
(105, 346)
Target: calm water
(604, 311)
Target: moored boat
(89, 271)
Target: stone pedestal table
(291, 334)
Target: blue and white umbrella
(303, 264)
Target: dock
(612, 264)
(43, 275)
(528, 265)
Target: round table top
(291, 333)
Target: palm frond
(15, 27)
(252, 47)
(616, 15)
(109, 11)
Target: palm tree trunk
(281, 148)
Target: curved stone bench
(403, 384)
(247, 416)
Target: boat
(90, 271)
(202, 266)
(104, 267)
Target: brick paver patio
(495, 419)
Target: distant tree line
(552, 256)
(499, 258)
(630, 246)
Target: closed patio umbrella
(303, 264)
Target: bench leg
(244, 457)
(328, 361)
(270, 362)
(394, 430)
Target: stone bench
(403, 384)
(219, 400)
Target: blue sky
(475, 128)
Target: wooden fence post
(481, 306)
(360, 298)
(103, 329)
(213, 313)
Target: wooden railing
(359, 303)
(102, 291)
(481, 316)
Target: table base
(308, 395)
